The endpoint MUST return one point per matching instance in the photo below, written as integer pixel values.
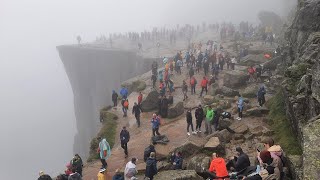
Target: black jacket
(124, 136)
(242, 162)
(151, 167)
(136, 110)
(199, 114)
(45, 177)
(75, 176)
(147, 152)
(114, 96)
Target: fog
(37, 121)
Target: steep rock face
(93, 74)
(302, 82)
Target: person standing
(199, 118)
(140, 98)
(114, 98)
(233, 62)
(204, 85)
(136, 110)
(77, 163)
(193, 83)
(260, 94)
(151, 166)
(124, 139)
(155, 121)
(104, 151)
(125, 106)
(184, 90)
(130, 170)
(124, 92)
(189, 122)
(209, 119)
(240, 105)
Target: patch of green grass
(281, 125)
(108, 131)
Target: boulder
(224, 124)
(295, 164)
(224, 104)
(224, 136)
(257, 131)
(176, 110)
(256, 112)
(192, 103)
(177, 175)
(235, 79)
(135, 86)
(239, 128)
(226, 91)
(162, 139)
(151, 102)
(200, 163)
(238, 136)
(252, 60)
(250, 91)
(248, 136)
(190, 147)
(214, 145)
(208, 99)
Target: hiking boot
(188, 134)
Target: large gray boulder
(191, 146)
(151, 102)
(235, 79)
(214, 145)
(250, 91)
(226, 91)
(239, 128)
(208, 99)
(224, 124)
(256, 112)
(176, 110)
(199, 163)
(177, 175)
(252, 60)
(224, 136)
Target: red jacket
(204, 83)
(218, 166)
(139, 98)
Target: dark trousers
(193, 89)
(155, 131)
(104, 163)
(240, 112)
(189, 124)
(261, 101)
(138, 119)
(153, 84)
(115, 103)
(124, 146)
(204, 88)
(198, 125)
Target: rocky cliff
(302, 82)
(93, 73)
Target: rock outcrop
(235, 79)
(151, 102)
(176, 110)
(178, 175)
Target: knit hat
(265, 156)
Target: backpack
(126, 104)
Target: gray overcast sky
(37, 122)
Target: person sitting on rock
(177, 160)
(217, 168)
(240, 162)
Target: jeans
(240, 112)
(104, 163)
(155, 131)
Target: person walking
(124, 139)
(151, 166)
(130, 170)
(189, 122)
(184, 90)
(155, 121)
(114, 98)
(193, 83)
(204, 85)
(209, 119)
(140, 97)
(136, 110)
(240, 105)
(104, 151)
(260, 94)
(199, 114)
(125, 106)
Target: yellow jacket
(101, 176)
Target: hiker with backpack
(114, 98)
(136, 110)
(184, 90)
(260, 95)
(199, 114)
(204, 85)
(193, 83)
(209, 119)
(125, 106)
(124, 139)
(155, 121)
(189, 122)
(151, 166)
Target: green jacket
(209, 115)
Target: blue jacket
(124, 92)
(155, 123)
(178, 160)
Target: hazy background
(37, 121)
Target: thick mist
(37, 121)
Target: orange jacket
(218, 166)
(204, 83)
